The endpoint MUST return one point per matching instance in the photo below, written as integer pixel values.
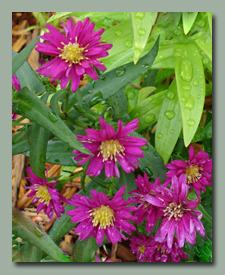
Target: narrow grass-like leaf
(152, 163)
(29, 231)
(31, 253)
(119, 106)
(84, 251)
(19, 59)
(20, 143)
(38, 145)
(142, 23)
(164, 59)
(144, 93)
(209, 14)
(30, 106)
(169, 124)
(205, 43)
(188, 20)
(28, 78)
(190, 87)
(58, 15)
(148, 110)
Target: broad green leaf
(31, 253)
(20, 143)
(29, 231)
(162, 75)
(169, 124)
(28, 105)
(209, 15)
(119, 106)
(152, 163)
(28, 78)
(205, 44)
(148, 110)
(120, 16)
(63, 226)
(190, 87)
(132, 93)
(188, 20)
(111, 82)
(19, 59)
(41, 18)
(149, 78)
(38, 145)
(142, 23)
(84, 251)
(144, 93)
(164, 59)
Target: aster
(75, 54)
(145, 209)
(101, 215)
(44, 191)
(197, 169)
(140, 245)
(179, 214)
(107, 146)
(16, 85)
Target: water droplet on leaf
(120, 71)
(141, 32)
(140, 15)
(118, 33)
(170, 95)
(159, 135)
(149, 118)
(53, 117)
(190, 122)
(186, 70)
(38, 231)
(169, 114)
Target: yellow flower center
(174, 210)
(43, 194)
(192, 173)
(72, 53)
(103, 216)
(141, 248)
(110, 148)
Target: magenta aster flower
(149, 250)
(44, 191)
(102, 215)
(75, 53)
(179, 214)
(107, 146)
(197, 170)
(16, 85)
(141, 246)
(144, 208)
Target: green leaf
(165, 58)
(31, 107)
(119, 106)
(58, 15)
(29, 231)
(188, 20)
(28, 78)
(54, 100)
(142, 23)
(152, 163)
(190, 87)
(144, 93)
(169, 124)
(31, 253)
(19, 59)
(148, 110)
(20, 143)
(132, 93)
(204, 42)
(111, 82)
(84, 251)
(38, 145)
(41, 18)
(209, 14)
(128, 179)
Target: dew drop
(169, 114)
(102, 77)
(128, 44)
(96, 99)
(159, 135)
(196, 82)
(177, 32)
(186, 70)
(177, 52)
(118, 33)
(119, 72)
(140, 15)
(190, 103)
(170, 95)
(145, 148)
(141, 32)
(149, 118)
(190, 122)
(187, 87)
(146, 66)
(183, 99)
(38, 231)
(198, 96)
(131, 94)
(172, 131)
(201, 23)
(53, 117)
(205, 61)
(42, 158)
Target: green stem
(67, 103)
